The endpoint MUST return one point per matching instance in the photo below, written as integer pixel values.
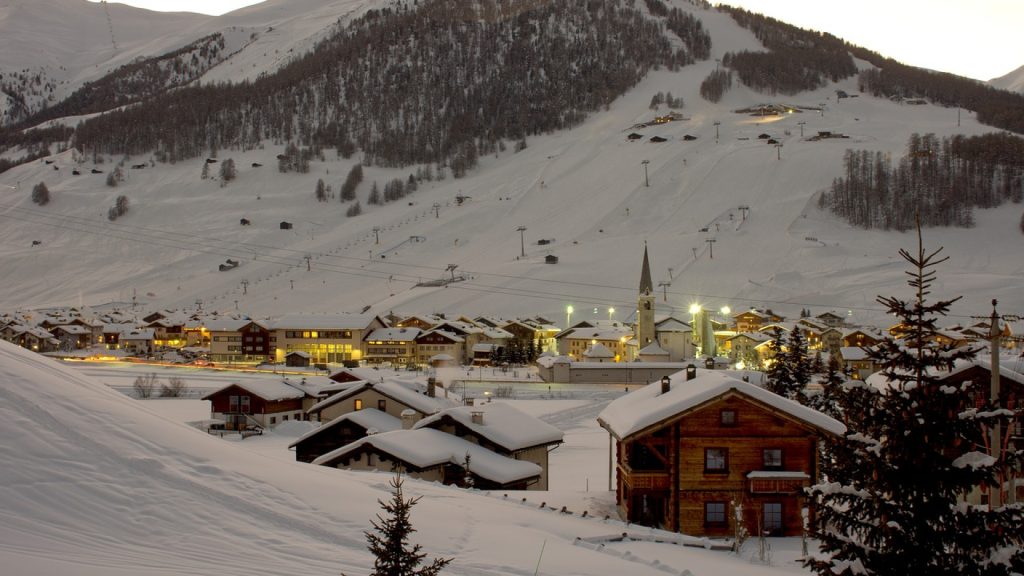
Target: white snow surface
(646, 406)
(368, 418)
(95, 483)
(1012, 81)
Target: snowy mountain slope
(95, 483)
(1012, 81)
(49, 48)
(572, 187)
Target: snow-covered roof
(503, 425)
(138, 334)
(299, 353)
(442, 357)
(419, 402)
(853, 353)
(647, 406)
(368, 418)
(73, 329)
(672, 325)
(598, 351)
(323, 321)
(484, 347)
(224, 325)
(266, 389)
(394, 334)
(597, 333)
(427, 448)
(449, 335)
(653, 349)
(755, 336)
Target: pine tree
(41, 194)
(892, 502)
(374, 197)
(321, 190)
(390, 536)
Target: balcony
(777, 482)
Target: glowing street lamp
(726, 310)
(568, 315)
(610, 312)
(694, 308)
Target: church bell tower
(645, 306)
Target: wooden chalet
(252, 406)
(342, 431)
(502, 429)
(432, 455)
(690, 446)
(388, 397)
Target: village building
(254, 405)
(341, 431)
(502, 429)
(675, 337)
(750, 348)
(394, 345)
(389, 397)
(689, 446)
(434, 343)
(138, 341)
(614, 336)
(434, 456)
(856, 362)
(327, 338)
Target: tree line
(796, 60)
(436, 84)
(941, 180)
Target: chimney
(691, 372)
(431, 387)
(666, 384)
(408, 418)
(477, 417)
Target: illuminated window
(357, 404)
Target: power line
(294, 258)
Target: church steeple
(646, 286)
(645, 333)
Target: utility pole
(743, 208)
(522, 240)
(308, 266)
(778, 150)
(245, 287)
(711, 247)
(801, 125)
(647, 181)
(451, 268)
(664, 287)
(995, 495)
(717, 124)
(437, 210)
(376, 234)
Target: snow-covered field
(583, 189)
(99, 483)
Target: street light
(610, 312)
(647, 181)
(726, 310)
(568, 315)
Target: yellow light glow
(569, 309)
(726, 310)
(694, 308)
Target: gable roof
(367, 418)
(325, 321)
(265, 389)
(420, 402)
(427, 448)
(503, 424)
(647, 406)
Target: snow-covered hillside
(581, 190)
(1013, 81)
(96, 483)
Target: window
(357, 404)
(382, 405)
(245, 404)
(273, 420)
(772, 517)
(716, 460)
(232, 403)
(727, 417)
(714, 514)
(772, 458)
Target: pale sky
(974, 38)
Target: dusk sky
(978, 39)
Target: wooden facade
(242, 409)
(687, 472)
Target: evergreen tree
(348, 188)
(390, 537)
(41, 194)
(321, 190)
(354, 210)
(227, 171)
(791, 372)
(205, 172)
(892, 502)
(374, 194)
